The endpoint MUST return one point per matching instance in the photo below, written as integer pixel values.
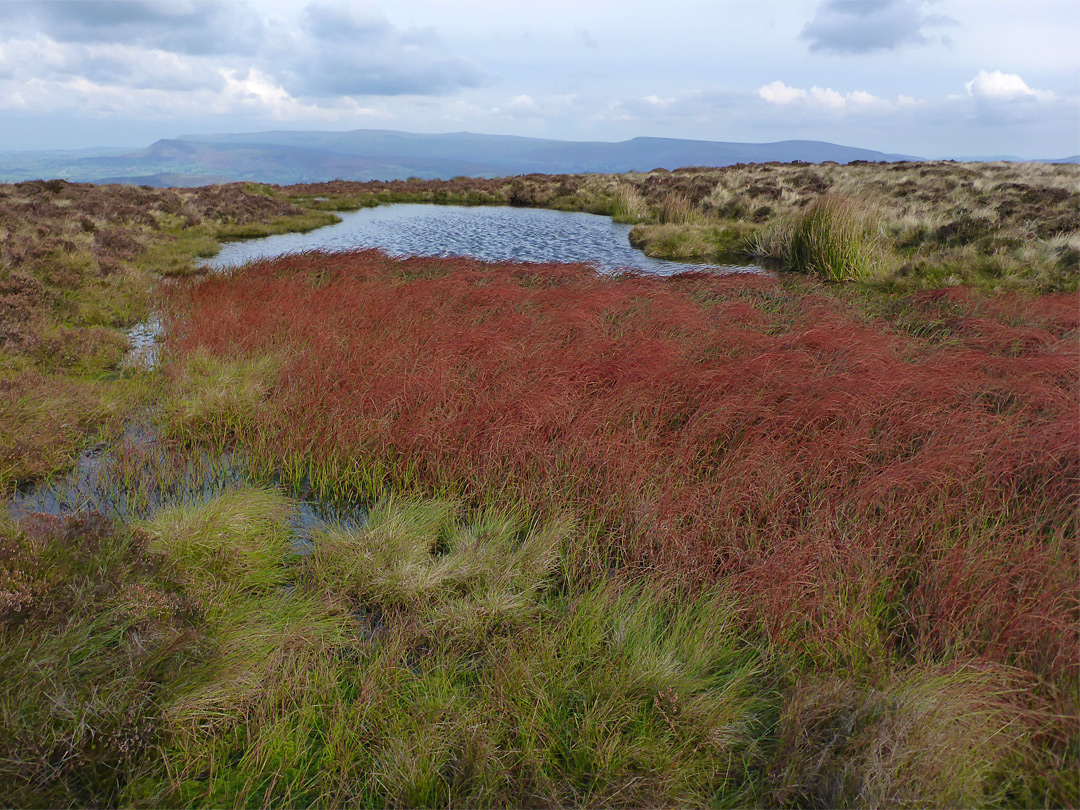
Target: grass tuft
(237, 540)
(834, 238)
(215, 399)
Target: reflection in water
(143, 338)
(483, 232)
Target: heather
(78, 264)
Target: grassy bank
(699, 541)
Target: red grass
(860, 490)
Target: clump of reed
(627, 205)
(676, 209)
(834, 237)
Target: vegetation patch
(991, 225)
(630, 541)
(832, 473)
(834, 237)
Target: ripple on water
(490, 233)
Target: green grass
(693, 242)
(298, 223)
(238, 540)
(834, 238)
(469, 679)
(195, 661)
(213, 400)
(94, 635)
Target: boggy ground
(632, 541)
(78, 263)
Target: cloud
(779, 93)
(346, 49)
(865, 26)
(197, 27)
(997, 86)
(329, 51)
(105, 64)
(824, 97)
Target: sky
(929, 78)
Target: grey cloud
(865, 26)
(337, 22)
(196, 27)
(356, 51)
(114, 65)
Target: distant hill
(1013, 159)
(297, 157)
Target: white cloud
(826, 97)
(998, 86)
(821, 97)
(524, 104)
(779, 93)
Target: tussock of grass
(834, 238)
(458, 580)
(675, 209)
(214, 399)
(628, 206)
(692, 242)
(929, 737)
(237, 540)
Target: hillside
(306, 157)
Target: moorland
(805, 538)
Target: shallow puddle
(136, 476)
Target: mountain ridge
(302, 156)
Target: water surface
(491, 233)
